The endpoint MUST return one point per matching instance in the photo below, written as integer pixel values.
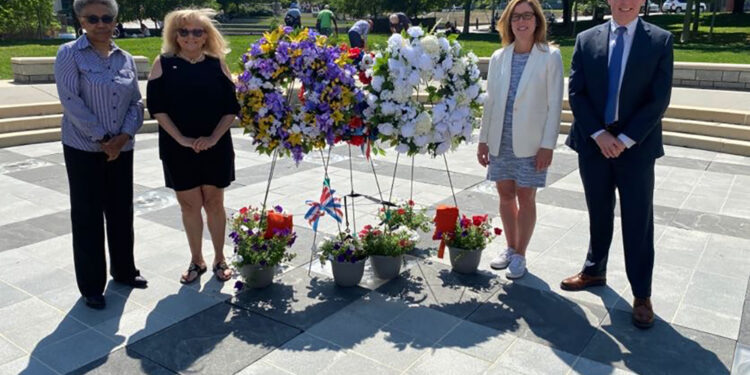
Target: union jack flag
(327, 204)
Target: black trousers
(100, 189)
(634, 181)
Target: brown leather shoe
(643, 313)
(582, 281)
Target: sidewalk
(15, 94)
(428, 321)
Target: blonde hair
(216, 46)
(506, 32)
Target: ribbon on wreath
(327, 204)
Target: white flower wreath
(424, 94)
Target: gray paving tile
(304, 354)
(708, 320)
(25, 365)
(10, 157)
(477, 340)
(729, 168)
(562, 198)
(122, 361)
(527, 357)
(353, 363)
(10, 295)
(433, 285)
(262, 368)
(744, 333)
(53, 177)
(540, 316)
(712, 223)
(57, 158)
(259, 173)
(444, 360)
(424, 323)
(662, 349)
(9, 352)
(69, 299)
(741, 364)
(585, 366)
(75, 351)
(681, 162)
(223, 339)
(298, 299)
(32, 324)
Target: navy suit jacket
(644, 94)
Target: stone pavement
(17, 94)
(429, 320)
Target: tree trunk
(575, 17)
(686, 22)
(739, 7)
(467, 16)
(566, 12)
(697, 18)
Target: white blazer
(538, 103)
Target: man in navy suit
(619, 88)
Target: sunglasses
(185, 32)
(527, 16)
(95, 19)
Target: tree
(566, 5)
(686, 22)
(156, 9)
(467, 16)
(739, 7)
(413, 8)
(26, 18)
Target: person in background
(293, 17)
(358, 33)
(325, 19)
(399, 22)
(97, 83)
(450, 28)
(520, 124)
(144, 30)
(191, 94)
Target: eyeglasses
(95, 19)
(527, 16)
(185, 32)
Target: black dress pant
(100, 189)
(634, 181)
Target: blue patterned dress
(506, 166)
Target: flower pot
(463, 260)
(257, 276)
(347, 274)
(386, 267)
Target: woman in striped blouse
(97, 84)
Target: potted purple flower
(347, 257)
(259, 250)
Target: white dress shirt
(628, 40)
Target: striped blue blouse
(100, 96)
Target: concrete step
(10, 125)
(35, 109)
(25, 137)
(702, 142)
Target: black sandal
(219, 271)
(193, 268)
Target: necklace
(192, 61)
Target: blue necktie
(615, 66)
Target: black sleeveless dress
(196, 97)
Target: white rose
(431, 45)
(385, 128)
(458, 67)
(424, 123)
(414, 78)
(473, 91)
(395, 41)
(425, 62)
(415, 32)
(455, 128)
(421, 140)
(386, 95)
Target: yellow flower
(295, 139)
(320, 40)
(304, 34)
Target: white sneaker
(517, 267)
(503, 259)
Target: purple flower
(464, 234)
(341, 258)
(238, 285)
(278, 209)
(263, 262)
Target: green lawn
(731, 43)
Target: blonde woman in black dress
(191, 95)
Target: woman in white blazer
(520, 124)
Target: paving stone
(10, 295)
(263, 368)
(122, 361)
(9, 352)
(75, 351)
(741, 365)
(304, 354)
(477, 340)
(33, 325)
(527, 357)
(585, 366)
(298, 299)
(223, 339)
(11, 157)
(25, 365)
(353, 363)
(443, 360)
(663, 348)
(712, 223)
(540, 316)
